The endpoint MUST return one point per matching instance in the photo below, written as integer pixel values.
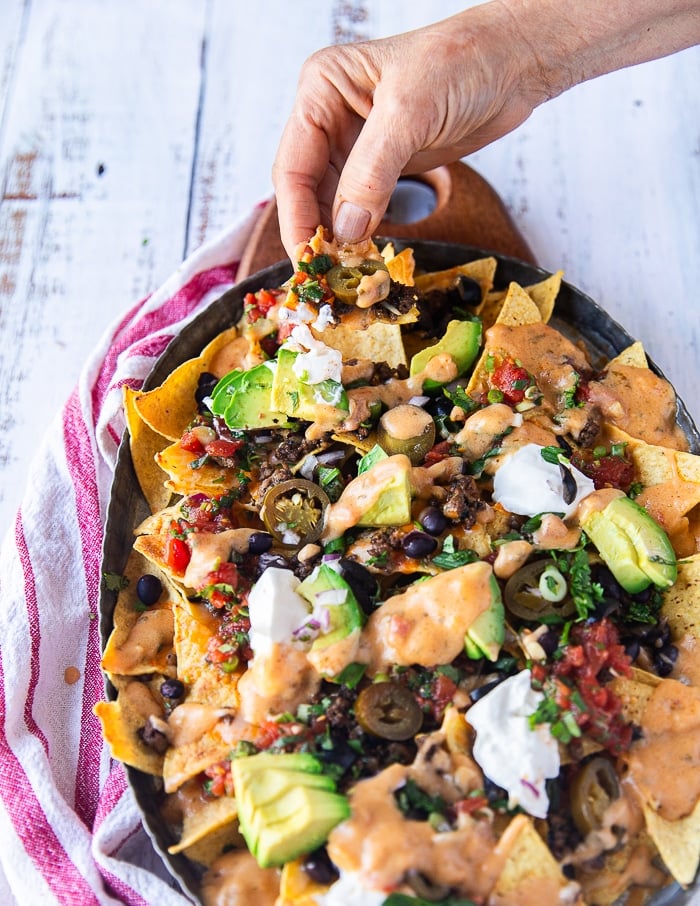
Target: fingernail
(350, 222)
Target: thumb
(369, 178)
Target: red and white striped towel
(70, 831)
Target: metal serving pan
(576, 315)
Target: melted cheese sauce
(278, 681)
(427, 623)
(664, 765)
(236, 879)
(644, 405)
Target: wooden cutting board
(466, 210)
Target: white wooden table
(131, 131)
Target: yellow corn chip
(297, 888)
(209, 478)
(122, 721)
(530, 867)
(206, 682)
(678, 842)
(482, 270)
(213, 822)
(145, 443)
(634, 355)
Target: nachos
(415, 616)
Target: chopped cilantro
(450, 557)
(416, 804)
(375, 455)
(351, 675)
(459, 398)
(585, 593)
(553, 455)
(318, 265)
(114, 581)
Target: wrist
(571, 41)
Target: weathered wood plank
(96, 165)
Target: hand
(366, 113)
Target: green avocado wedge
(485, 636)
(286, 806)
(461, 340)
(243, 398)
(343, 618)
(632, 544)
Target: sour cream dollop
(348, 891)
(527, 484)
(275, 609)
(512, 754)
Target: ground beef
(293, 448)
(269, 477)
(463, 501)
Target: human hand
(366, 113)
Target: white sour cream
(527, 484)
(510, 753)
(315, 362)
(348, 891)
(275, 609)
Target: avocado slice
(270, 785)
(485, 636)
(243, 398)
(461, 340)
(392, 504)
(298, 399)
(632, 544)
(286, 806)
(312, 816)
(344, 618)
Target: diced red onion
(531, 786)
(330, 456)
(331, 558)
(308, 465)
(419, 400)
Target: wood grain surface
(131, 131)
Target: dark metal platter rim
(576, 314)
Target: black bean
(433, 520)
(440, 407)
(361, 581)
(466, 291)
(205, 387)
(665, 659)
(549, 641)
(602, 575)
(153, 738)
(632, 649)
(268, 559)
(259, 543)
(172, 688)
(319, 867)
(568, 483)
(418, 544)
(149, 589)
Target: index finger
(302, 161)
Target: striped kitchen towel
(70, 829)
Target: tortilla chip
(210, 479)
(529, 866)
(169, 408)
(183, 762)
(206, 682)
(210, 821)
(634, 696)
(297, 888)
(681, 606)
(401, 266)
(145, 443)
(517, 310)
(544, 294)
(122, 721)
(359, 337)
(634, 356)
(482, 270)
(678, 842)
